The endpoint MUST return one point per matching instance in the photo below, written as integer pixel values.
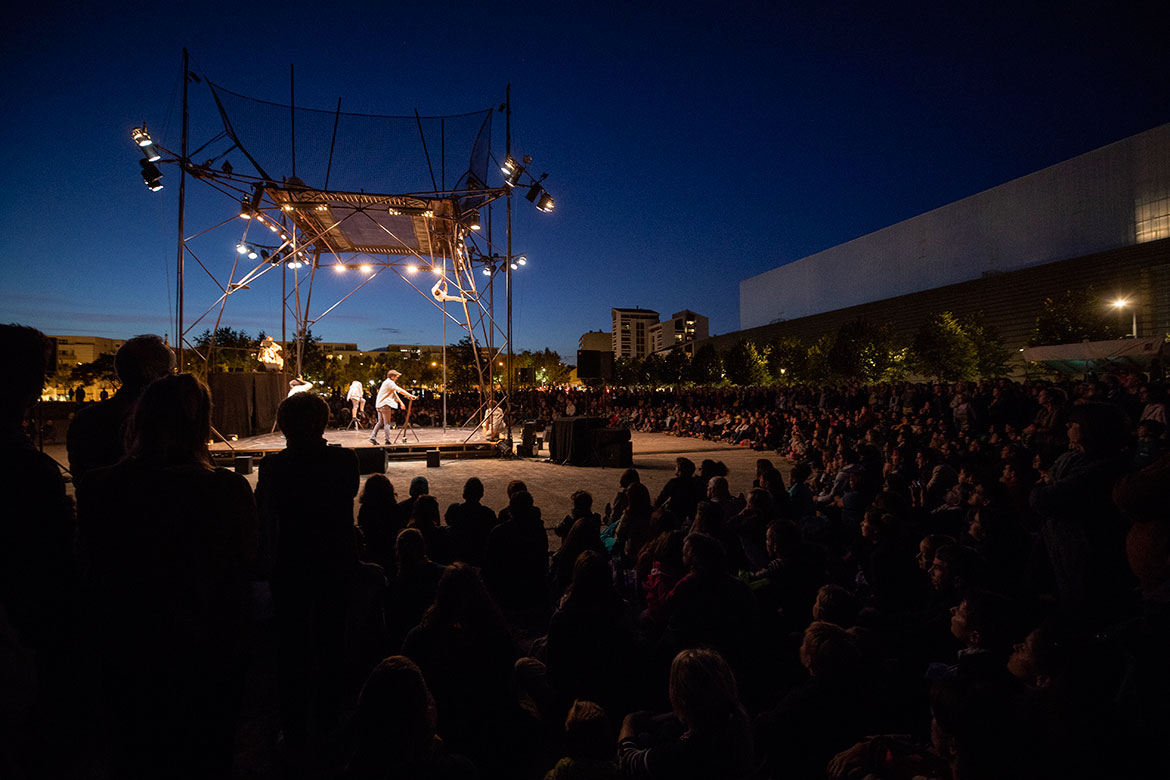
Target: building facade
(683, 329)
(631, 334)
(1106, 200)
(1100, 221)
(596, 341)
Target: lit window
(1152, 218)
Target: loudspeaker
(371, 460)
(595, 364)
(588, 364)
(433, 459)
(243, 464)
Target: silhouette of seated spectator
(592, 649)
(413, 590)
(380, 521)
(589, 753)
(97, 433)
(709, 736)
(467, 656)
(517, 556)
(471, 523)
(393, 731)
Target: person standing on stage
(390, 397)
(357, 399)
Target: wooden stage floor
(452, 443)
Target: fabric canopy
(1096, 355)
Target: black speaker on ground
(371, 460)
(527, 447)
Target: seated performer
(269, 355)
(389, 399)
(493, 422)
(357, 399)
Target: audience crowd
(955, 582)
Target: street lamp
(1121, 303)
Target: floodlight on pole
(545, 203)
(151, 175)
(151, 153)
(140, 136)
(473, 219)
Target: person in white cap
(389, 399)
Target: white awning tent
(1098, 355)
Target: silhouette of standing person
(169, 540)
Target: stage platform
(452, 443)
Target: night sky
(687, 146)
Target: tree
(788, 360)
(862, 351)
(654, 370)
(100, 372)
(1075, 316)
(942, 349)
(707, 366)
(675, 366)
(229, 350)
(461, 366)
(745, 365)
(991, 355)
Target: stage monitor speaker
(433, 457)
(243, 464)
(371, 460)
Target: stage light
(140, 136)
(487, 272)
(514, 266)
(473, 219)
(545, 203)
(151, 153)
(436, 269)
(534, 192)
(242, 248)
(252, 253)
(508, 166)
(245, 208)
(151, 175)
(367, 269)
(339, 267)
(412, 269)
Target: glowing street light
(1121, 303)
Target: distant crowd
(955, 581)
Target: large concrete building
(1100, 220)
(683, 329)
(75, 350)
(596, 341)
(631, 332)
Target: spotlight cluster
(514, 171)
(151, 175)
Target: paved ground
(551, 484)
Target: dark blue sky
(688, 147)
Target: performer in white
(357, 399)
(493, 422)
(390, 397)
(298, 385)
(269, 355)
